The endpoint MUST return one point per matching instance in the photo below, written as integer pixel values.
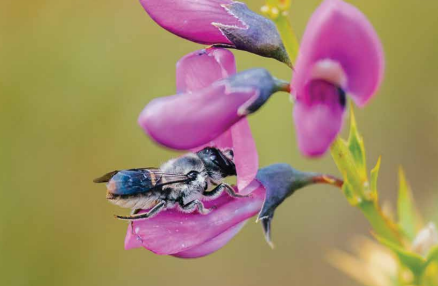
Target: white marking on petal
(330, 71)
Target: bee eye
(192, 175)
(213, 158)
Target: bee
(182, 183)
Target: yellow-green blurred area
(74, 76)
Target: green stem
(357, 188)
(282, 85)
(382, 226)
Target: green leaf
(432, 256)
(374, 176)
(411, 260)
(345, 162)
(409, 218)
(357, 148)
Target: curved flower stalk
(341, 56)
(218, 22)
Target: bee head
(217, 161)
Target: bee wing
(137, 181)
(105, 178)
(108, 176)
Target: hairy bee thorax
(184, 165)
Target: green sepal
(411, 260)
(345, 160)
(357, 148)
(409, 219)
(374, 176)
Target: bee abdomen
(132, 202)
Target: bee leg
(153, 211)
(215, 193)
(134, 212)
(193, 205)
(231, 192)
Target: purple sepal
(280, 182)
(261, 36)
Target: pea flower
(200, 112)
(218, 22)
(195, 235)
(340, 56)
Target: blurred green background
(74, 76)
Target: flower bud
(219, 22)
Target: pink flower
(340, 55)
(218, 22)
(205, 108)
(194, 235)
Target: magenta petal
(212, 245)
(318, 117)
(186, 121)
(339, 32)
(239, 139)
(192, 19)
(246, 157)
(172, 232)
(202, 68)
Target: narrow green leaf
(411, 260)
(357, 148)
(374, 176)
(345, 162)
(408, 216)
(432, 255)
(382, 226)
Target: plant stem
(282, 85)
(328, 179)
(382, 226)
